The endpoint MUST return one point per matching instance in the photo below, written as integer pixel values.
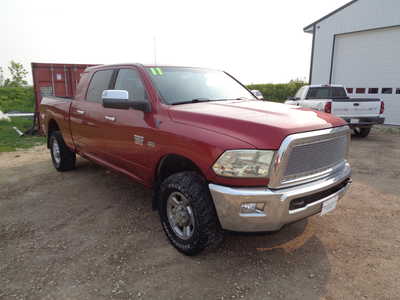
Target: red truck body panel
(200, 132)
(57, 109)
(59, 80)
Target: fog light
(251, 208)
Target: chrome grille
(315, 157)
(308, 156)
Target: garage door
(368, 63)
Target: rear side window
(373, 91)
(398, 91)
(129, 80)
(100, 82)
(350, 90)
(326, 93)
(318, 93)
(360, 90)
(338, 92)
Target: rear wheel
(187, 213)
(63, 158)
(362, 132)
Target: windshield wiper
(196, 100)
(230, 99)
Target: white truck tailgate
(356, 107)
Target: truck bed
(348, 99)
(58, 109)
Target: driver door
(129, 133)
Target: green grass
(11, 141)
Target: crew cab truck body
(360, 113)
(216, 157)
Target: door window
(360, 90)
(387, 90)
(129, 80)
(373, 91)
(100, 82)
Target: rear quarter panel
(56, 109)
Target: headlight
(244, 163)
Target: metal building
(358, 45)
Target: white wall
(361, 15)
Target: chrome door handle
(80, 112)
(109, 118)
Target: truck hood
(262, 124)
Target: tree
(1, 77)
(18, 75)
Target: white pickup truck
(360, 113)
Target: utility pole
(155, 50)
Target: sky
(256, 41)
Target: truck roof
(142, 66)
(326, 85)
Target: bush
(20, 99)
(278, 92)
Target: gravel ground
(91, 234)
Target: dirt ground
(91, 234)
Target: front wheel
(63, 158)
(187, 213)
(362, 132)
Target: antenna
(155, 50)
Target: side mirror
(119, 99)
(293, 98)
(116, 99)
(258, 94)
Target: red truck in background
(216, 157)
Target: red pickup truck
(216, 157)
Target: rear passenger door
(128, 133)
(87, 114)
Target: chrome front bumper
(277, 210)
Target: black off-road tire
(67, 157)
(207, 232)
(362, 132)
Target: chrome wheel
(180, 215)
(56, 152)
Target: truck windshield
(326, 93)
(178, 85)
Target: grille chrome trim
(281, 158)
